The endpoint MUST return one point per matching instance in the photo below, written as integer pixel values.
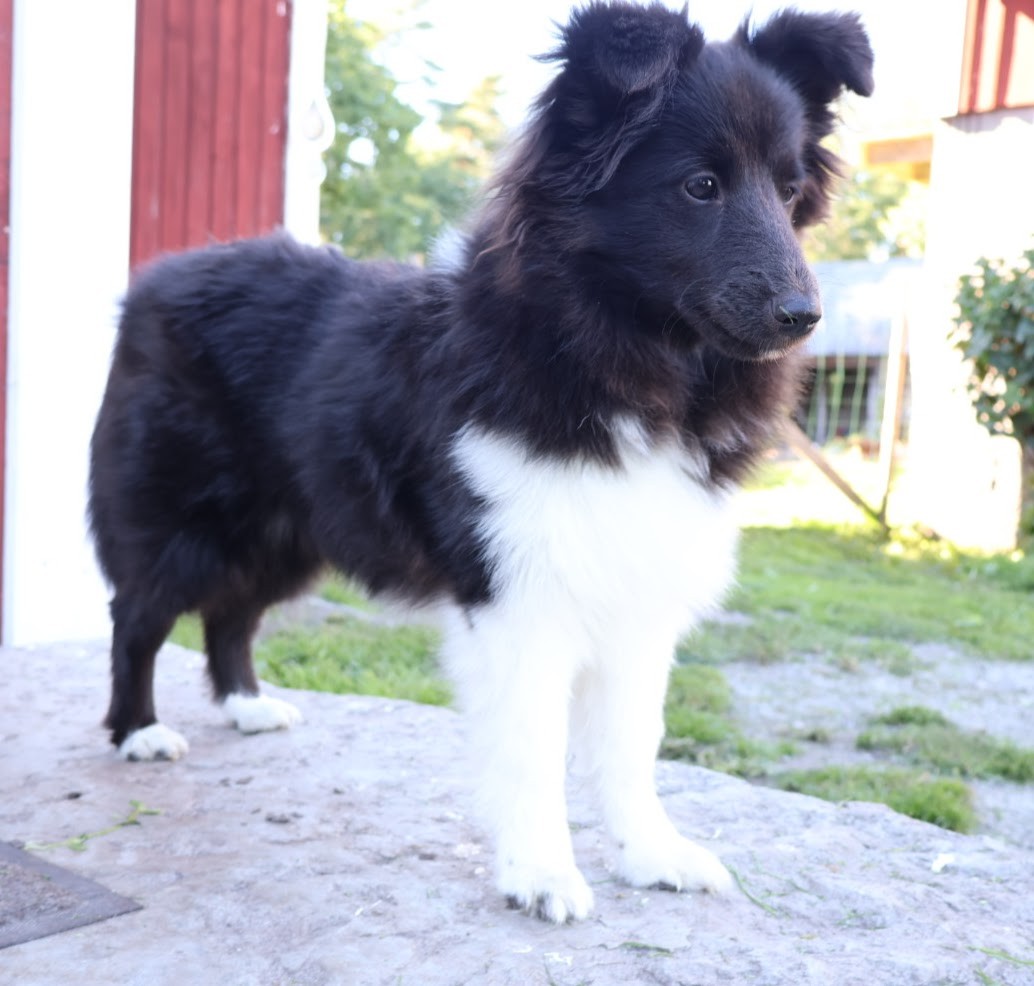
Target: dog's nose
(796, 314)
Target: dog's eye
(789, 193)
(703, 188)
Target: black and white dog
(537, 441)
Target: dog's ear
(619, 64)
(620, 49)
(820, 54)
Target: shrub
(996, 334)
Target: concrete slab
(342, 852)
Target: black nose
(796, 314)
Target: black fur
(273, 408)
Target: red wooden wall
(210, 121)
(998, 60)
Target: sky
(917, 43)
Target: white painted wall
(310, 125)
(963, 482)
(72, 110)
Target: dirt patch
(815, 697)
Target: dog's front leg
(618, 727)
(514, 685)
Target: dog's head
(678, 174)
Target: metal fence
(859, 349)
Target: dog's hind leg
(139, 630)
(229, 630)
(618, 724)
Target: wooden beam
(893, 401)
(803, 445)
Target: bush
(996, 334)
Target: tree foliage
(995, 332)
(393, 179)
(871, 217)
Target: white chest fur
(595, 572)
(644, 542)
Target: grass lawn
(841, 591)
(849, 593)
(353, 656)
(930, 740)
(942, 801)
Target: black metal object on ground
(38, 898)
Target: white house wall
(72, 111)
(962, 482)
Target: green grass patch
(1013, 572)
(697, 707)
(188, 632)
(891, 655)
(770, 637)
(780, 473)
(699, 727)
(911, 715)
(338, 589)
(808, 588)
(946, 802)
(641, 946)
(845, 594)
(351, 655)
(925, 738)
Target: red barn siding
(210, 121)
(998, 60)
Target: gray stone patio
(343, 852)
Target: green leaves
(873, 214)
(995, 332)
(394, 179)
(78, 843)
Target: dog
(536, 440)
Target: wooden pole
(803, 445)
(894, 398)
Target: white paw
(260, 713)
(154, 742)
(674, 863)
(552, 896)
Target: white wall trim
(310, 126)
(71, 168)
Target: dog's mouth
(757, 339)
